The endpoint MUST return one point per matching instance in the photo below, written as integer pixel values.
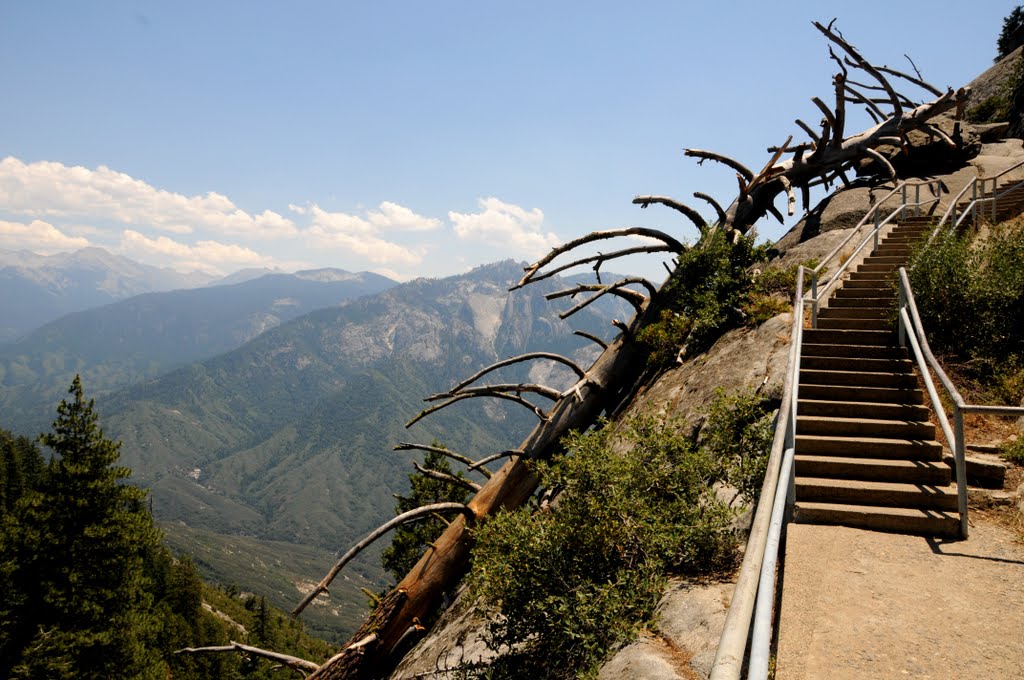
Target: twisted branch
(293, 662)
(703, 155)
(468, 462)
(470, 395)
(467, 484)
(373, 536)
(673, 245)
(691, 214)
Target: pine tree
(79, 602)
(1012, 35)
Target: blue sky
(410, 138)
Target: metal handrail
(910, 318)
(747, 608)
(972, 207)
(815, 295)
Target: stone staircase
(866, 453)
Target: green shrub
(1014, 451)
(971, 300)
(564, 585)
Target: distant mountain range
(40, 288)
(285, 440)
(145, 336)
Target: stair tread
(882, 422)
(880, 509)
(943, 490)
(902, 463)
(876, 441)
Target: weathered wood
(369, 539)
(465, 460)
(691, 214)
(293, 662)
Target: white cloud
(37, 236)
(205, 255)
(393, 217)
(358, 236)
(506, 225)
(51, 189)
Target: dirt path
(860, 604)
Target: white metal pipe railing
(817, 292)
(732, 644)
(909, 316)
(972, 207)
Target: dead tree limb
(600, 258)
(703, 155)
(454, 480)
(916, 81)
(529, 356)
(860, 62)
(638, 300)
(674, 246)
(466, 395)
(465, 460)
(593, 338)
(505, 388)
(370, 538)
(884, 162)
(719, 210)
(496, 456)
(691, 214)
(293, 662)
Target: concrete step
(825, 336)
(885, 259)
(873, 292)
(880, 268)
(833, 321)
(854, 427)
(884, 395)
(868, 447)
(853, 313)
(886, 494)
(862, 409)
(896, 520)
(873, 469)
(987, 473)
(851, 301)
(873, 276)
(902, 250)
(811, 349)
(827, 363)
(811, 376)
(866, 283)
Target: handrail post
(814, 300)
(917, 200)
(974, 201)
(994, 199)
(903, 208)
(901, 304)
(961, 468)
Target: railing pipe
(961, 471)
(760, 643)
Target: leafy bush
(1014, 451)
(971, 300)
(567, 583)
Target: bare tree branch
(373, 536)
(725, 160)
(884, 162)
(467, 484)
(531, 271)
(713, 203)
(593, 338)
(529, 356)
(489, 390)
(916, 81)
(406, 446)
(863, 64)
(691, 214)
(860, 97)
(940, 134)
(815, 137)
(496, 456)
(471, 395)
(638, 300)
(791, 197)
(292, 662)
(600, 258)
